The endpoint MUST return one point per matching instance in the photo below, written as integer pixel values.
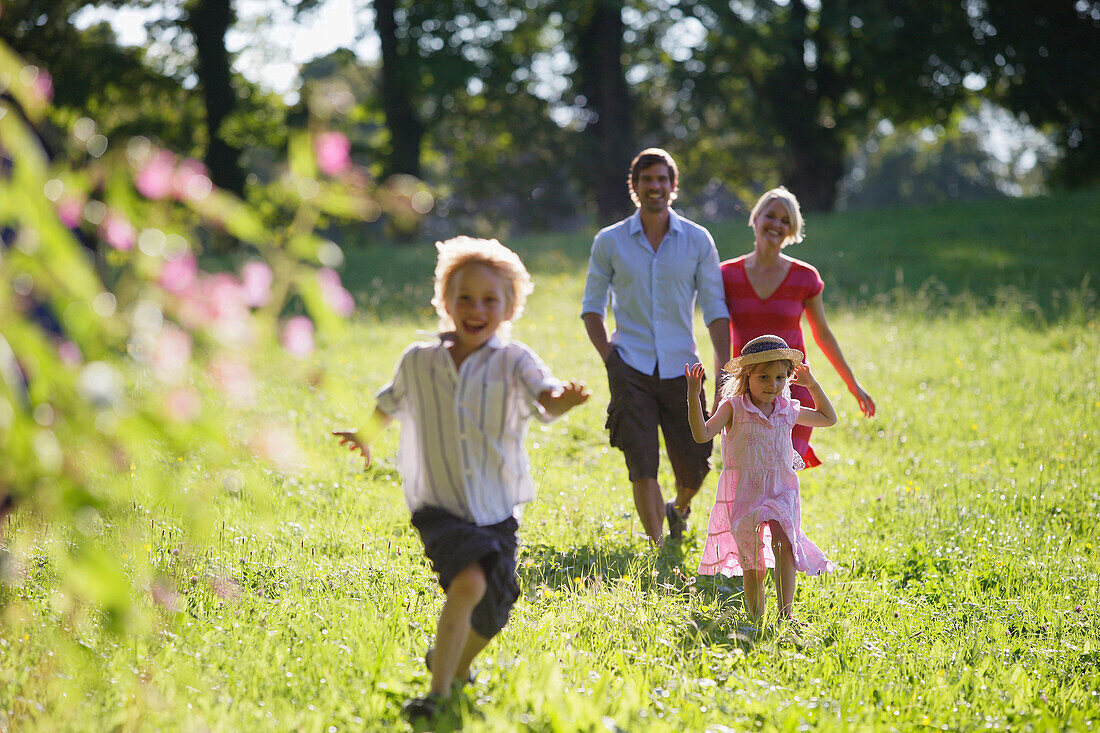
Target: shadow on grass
(546, 565)
(715, 610)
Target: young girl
(464, 402)
(767, 292)
(756, 522)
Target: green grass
(963, 516)
(1039, 253)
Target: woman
(767, 292)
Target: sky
(270, 58)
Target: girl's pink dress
(758, 483)
(780, 314)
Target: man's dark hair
(646, 158)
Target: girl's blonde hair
(794, 211)
(738, 382)
(459, 252)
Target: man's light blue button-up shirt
(653, 293)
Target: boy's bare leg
(475, 642)
(452, 637)
(785, 578)
(651, 508)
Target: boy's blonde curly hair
(458, 252)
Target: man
(655, 264)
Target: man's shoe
(677, 522)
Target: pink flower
(223, 297)
(42, 86)
(256, 280)
(334, 293)
(178, 275)
(297, 336)
(191, 181)
(117, 231)
(69, 353)
(333, 153)
(171, 355)
(154, 180)
(183, 404)
(214, 302)
(233, 377)
(70, 211)
(277, 444)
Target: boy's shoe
(677, 522)
(428, 663)
(421, 708)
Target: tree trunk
(209, 20)
(812, 172)
(399, 84)
(602, 81)
(812, 158)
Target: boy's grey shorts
(453, 544)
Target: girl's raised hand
(695, 374)
(803, 377)
(350, 438)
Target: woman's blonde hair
(794, 211)
(738, 382)
(459, 252)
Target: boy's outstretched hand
(572, 393)
(351, 439)
(695, 374)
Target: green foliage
(119, 356)
(1035, 59)
(949, 162)
(803, 83)
(122, 90)
(131, 91)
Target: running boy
(465, 401)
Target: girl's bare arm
(821, 416)
(701, 429)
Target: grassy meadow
(963, 516)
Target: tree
(595, 32)
(401, 64)
(126, 91)
(809, 80)
(208, 21)
(433, 52)
(122, 91)
(1041, 59)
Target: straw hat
(761, 349)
